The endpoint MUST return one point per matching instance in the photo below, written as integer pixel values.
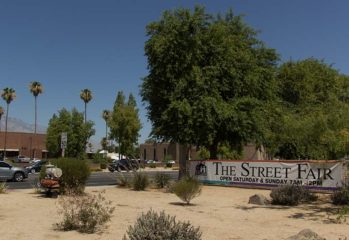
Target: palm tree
(86, 96)
(1, 113)
(106, 116)
(35, 88)
(8, 94)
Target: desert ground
(221, 212)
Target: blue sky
(69, 45)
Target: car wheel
(111, 169)
(118, 169)
(18, 177)
(33, 170)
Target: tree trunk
(7, 109)
(214, 150)
(106, 135)
(35, 123)
(85, 111)
(119, 148)
(183, 162)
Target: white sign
(64, 140)
(326, 175)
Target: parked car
(36, 166)
(21, 159)
(8, 172)
(152, 161)
(34, 160)
(123, 165)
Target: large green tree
(77, 130)
(210, 79)
(311, 120)
(8, 95)
(125, 124)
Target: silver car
(8, 172)
(22, 159)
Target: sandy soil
(221, 212)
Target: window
(145, 154)
(154, 154)
(4, 165)
(165, 152)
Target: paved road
(96, 179)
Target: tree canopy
(77, 131)
(311, 120)
(209, 79)
(125, 124)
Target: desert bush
(187, 188)
(3, 187)
(161, 180)
(154, 226)
(140, 181)
(169, 187)
(95, 170)
(36, 186)
(123, 181)
(291, 195)
(343, 214)
(84, 213)
(341, 196)
(75, 174)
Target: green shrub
(97, 158)
(161, 180)
(140, 181)
(187, 188)
(168, 165)
(3, 187)
(152, 165)
(291, 195)
(84, 213)
(167, 160)
(341, 196)
(75, 174)
(42, 173)
(103, 165)
(154, 226)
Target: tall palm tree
(86, 96)
(35, 88)
(8, 94)
(1, 113)
(106, 116)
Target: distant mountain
(18, 125)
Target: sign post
(64, 140)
